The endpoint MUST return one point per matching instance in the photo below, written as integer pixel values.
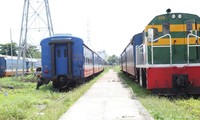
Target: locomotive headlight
(173, 16)
(179, 16)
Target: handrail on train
(188, 45)
(138, 52)
(142, 52)
(170, 45)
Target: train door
(191, 27)
(61, 59)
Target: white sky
(112, 22)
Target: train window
(65, 52)
(155, 33)
(58, 53)
(91, 61)
(152, 34)
(165, 28)
(189, 25)
(87, 60)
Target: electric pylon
(88, 33)
(36, 24)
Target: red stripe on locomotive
(162, 77)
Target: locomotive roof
(59, 37)
(175, 18)
(65, 37)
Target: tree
(32, 52)
(113, 60)
(5, 49)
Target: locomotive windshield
(166, 28)
(152, 34)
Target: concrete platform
(108, 99)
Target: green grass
(19, 100)
(162, 108)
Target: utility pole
(88, 33)
(36, 24)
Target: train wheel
(144, 83)
(56, 84)
(142, 77)
(137, 76)
(64, 83)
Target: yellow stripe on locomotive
(175, 36)
(173, 27)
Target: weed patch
(22, 101)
